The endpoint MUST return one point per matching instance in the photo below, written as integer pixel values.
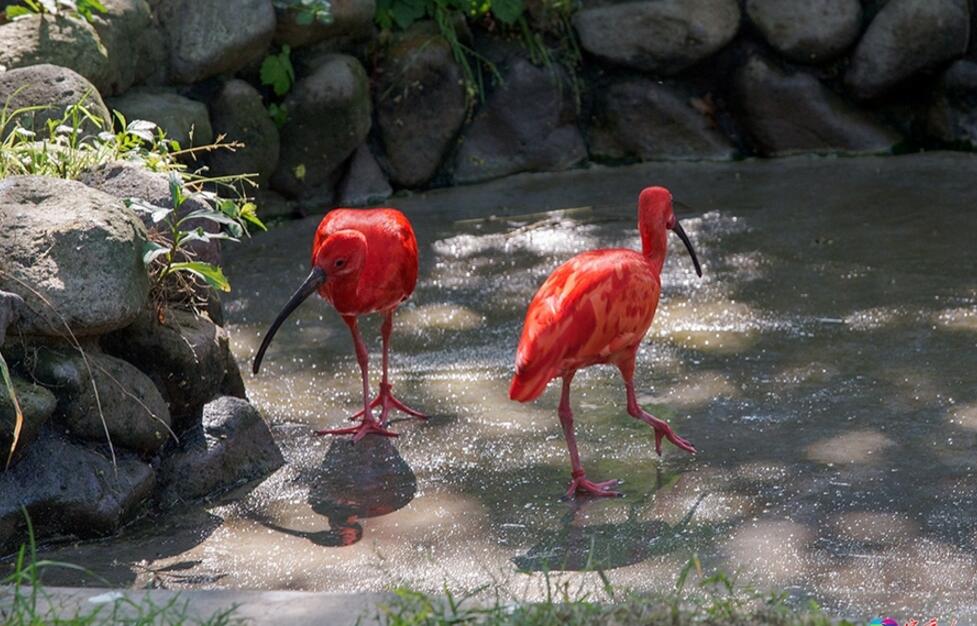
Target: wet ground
(825, 366)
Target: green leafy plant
(307, 11)
(84, 9)
(278, 73)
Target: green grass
(715, 600)
(25, 602)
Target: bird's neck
(654, 246)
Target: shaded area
(823, 366)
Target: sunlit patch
(957, 319)
(964, 416)
(700, 388)
(771, 550)
(440, 316)
(873, 318)
(851, 448)
(549, 236)
(875, 527)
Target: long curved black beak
(312, 282)
(688, 244)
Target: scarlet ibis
(363, 261)
(596, 308)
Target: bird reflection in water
(353, 483)
(578, 547)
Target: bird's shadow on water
(577, 547)
(354, 482)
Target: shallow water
(825, 366)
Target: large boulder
(127, 406)
(133, 42)
(70, 488)
(131, 181)
(644, 119)
(73, 253)
(790, 112)
(351, 19)
(68, 42)
(328, 118)
(952, 117)
(230, 446)
(36, 404)
(807, 31)
(209, 37)
(186, 356)
(661, 36)
(907, 36)
(421, 104)
(527, 125)
(57, 88)
(364, 183)
(239, 114)
(182, 119)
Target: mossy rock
(37, 405)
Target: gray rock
(661, 36)
(807, 31)
(907, 36)
(135, 414)
(527, 125)
(238, 113)
(69, 488)
(56, 87)
(187, 356)
(350, 19)
(641, 118)
(128, 180)
(179, 117)
(952, 117)
(793, 112)
(328, 118)
(209, 37)
(421, 104)
(78, 248)
(233, 445)
(273, 205)
(10, 308)
(364, 183)
(132, 40)
(37, 405)
(67, 42)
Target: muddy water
(825, 366)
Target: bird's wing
(592, 306)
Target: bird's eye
(340, 262)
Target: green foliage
(84, 9)
(27, 603)
(277, 71)
(307, 11)
(75, 143)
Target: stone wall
(659, 79)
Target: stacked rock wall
(370, 113)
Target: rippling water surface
(825, 366)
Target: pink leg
(662, 429)
(385, 399)
(579, 484)
(368, 425)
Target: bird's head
(656, 216)
(339, 255)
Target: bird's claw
(580, 485)
(387, 401)
(664, 431)
(367, 427)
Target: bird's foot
(368, 426)
(580, 485)
(387, 401)
(664, 431)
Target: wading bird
(363, 261)
(596, 308)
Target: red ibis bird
(596, 308)
(363, 261)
